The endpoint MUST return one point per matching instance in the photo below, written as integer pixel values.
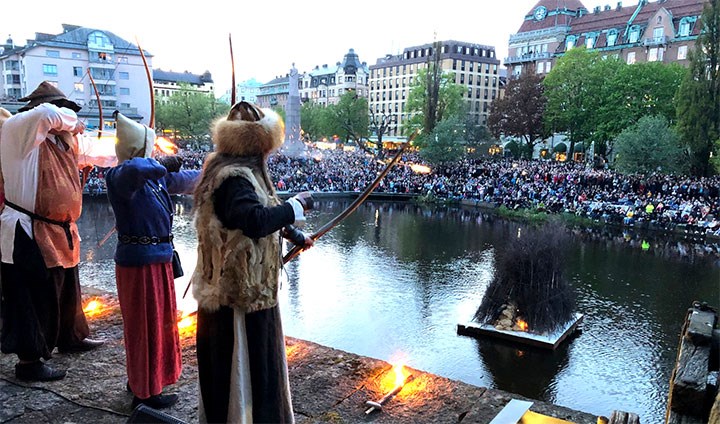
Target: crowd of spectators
(657, 200)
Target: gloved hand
(306, 200)
(297, 237)
(171, 163)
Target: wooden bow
(296, 250)
(233, 95)
(88, 168)
(151, 123)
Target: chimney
(619, 5)
(596, 10)
(607, 7)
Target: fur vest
(233, 269)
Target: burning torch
(400, 381)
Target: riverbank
(328, 386)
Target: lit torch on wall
(400, 381)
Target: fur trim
(232, 269)
(247, 138)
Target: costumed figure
(139, 189)
(41, 302)
(240, 223)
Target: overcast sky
(268, 37)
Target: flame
(420, 169)
(522, 324)
(400, 375)
(187, 325)
(93, 308)
(165, 146)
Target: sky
(268, 37)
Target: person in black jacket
(240, 222)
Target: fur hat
(133, 139)
(248, 130)
(48, 93)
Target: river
(394, 280)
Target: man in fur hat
(39, 242)
(239, 219)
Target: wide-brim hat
(134, 140)
(47, 93)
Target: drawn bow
(296, 250)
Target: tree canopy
(648, 146)
(189, 113)
(698, 99)
(521, 112)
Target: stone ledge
(328, 386)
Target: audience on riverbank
(656, 200)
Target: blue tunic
(139, 191)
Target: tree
(433, 96)
(380, 123)
(443, 144)
(348, 118)
(571, 94)
(697, 99)
(521, 112)
(189, 113)
(312, 120)
(649, 146)
(630, 92)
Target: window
(658, 34)
(547, 66)
(630, 58)
(634, 35)
(540, 67)
(653, 55)
(49, 69)
(12, 65)
(76, 55)
(124, 91)
(611, 38)
(684, 28)
(77, 71)
(52, 53)
(124, 75)
(569, 42)
(590, 42)
(125, 105)
(682, 52)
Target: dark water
(394, 280)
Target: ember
(401, 378)
(93, 308)
(509, 319)
(187, 325)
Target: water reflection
(398, 278)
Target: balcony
(527, 58)
(656, 41)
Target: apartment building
(166, 83)
(660, 31)
(473, 65)
(65, 59)
(323, 85)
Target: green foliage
(631, 92)
(570, 88)
(425, 108)
(349, 118)
(189, 113)
(312, 120)
(650, 146)
(444, 143)
(520, 113)
(593, 98)
(698, 99)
